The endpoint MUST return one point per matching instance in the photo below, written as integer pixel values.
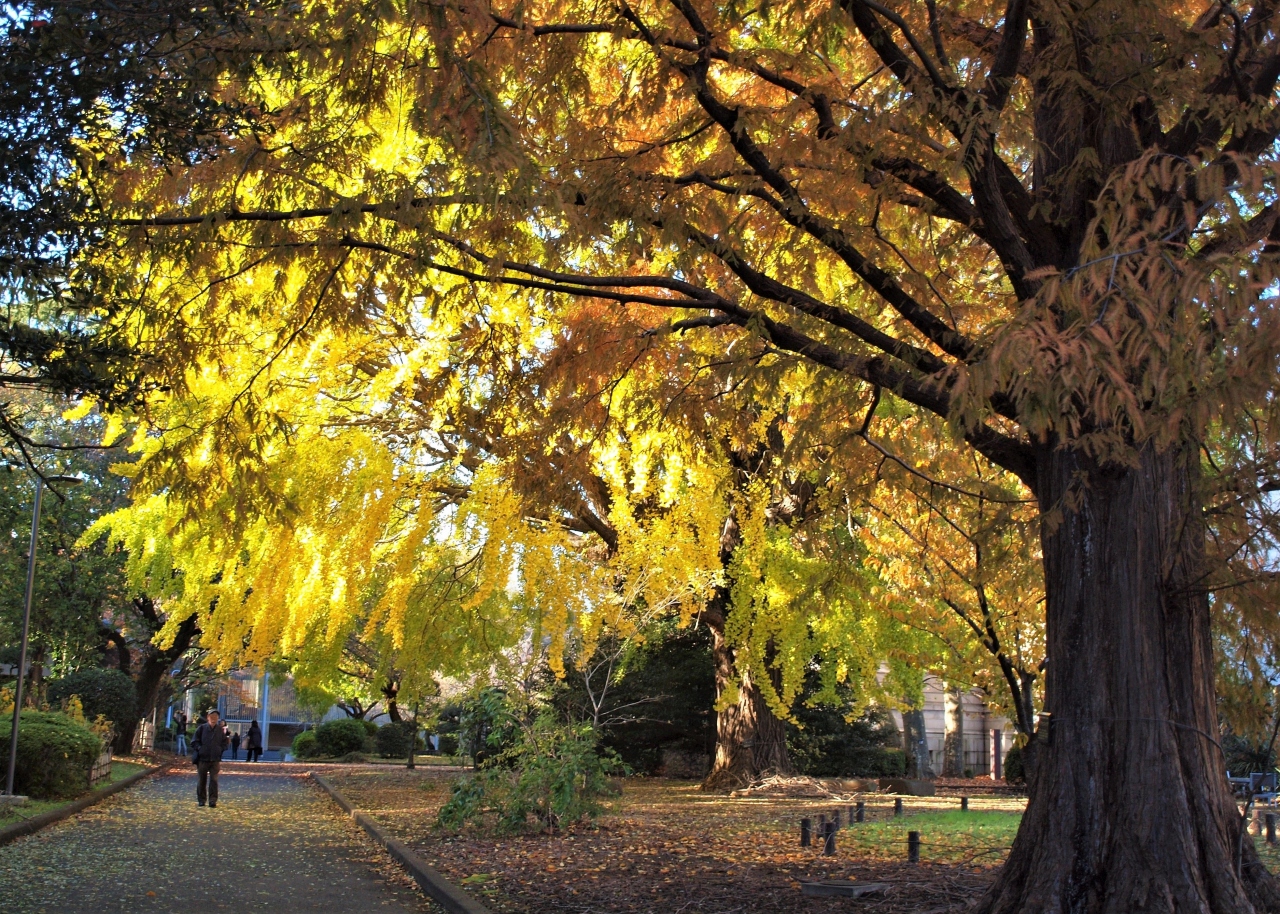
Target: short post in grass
(1271, 828)
(822, 824)
(835, 819)
(964, 804)
(897, 806)
(805, 833)
(861, 813)
(913, 847)
(829, 845)
(852, 812)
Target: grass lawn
(951, 836)
(15, 814)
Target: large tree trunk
(751, 742)
(953, 735)
(1129, 806)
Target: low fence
(101, 770)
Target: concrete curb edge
(441, 890)
(35, 823)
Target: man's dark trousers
(207, 781)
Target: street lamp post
(26, 623)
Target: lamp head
(64, 480)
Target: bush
(555, 775)
(109, 693)
(1014, 771)
(305, 745)
(448, 743)
(55, 754)
(394, 739)
(338, 737)
(826, 745)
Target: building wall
(979, 722)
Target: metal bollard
(862, 812)
(913, 847)
(1271, 828)
(964, 804)
(829, 847)
(806, 839)
(897, 806)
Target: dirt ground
(664, 846)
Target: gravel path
(274, 842)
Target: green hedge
(338, 737)
(393, 739)
(110, 693)
(305, 745)
(55, 754)
(1014, 771)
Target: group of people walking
(211, 741)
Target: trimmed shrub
(393, 739)
(110, 693)
(1014, 771)
(448, 744)
(55, 754)
(305, 745)
(338, 737)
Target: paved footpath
(275, 842)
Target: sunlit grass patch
(976, 838)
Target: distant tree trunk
(150, 675)
(390, 692)
(1129, 806)
(953, 739)
(915, 744)
(751, 742)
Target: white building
(986, 735)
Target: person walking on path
(180, 727)
(235, 746)
(209, 744)
(253, 743)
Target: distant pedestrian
(209, 744)
(253, 743)
(235, 747)
(180, 728)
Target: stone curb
(35, 823)
(441, 890)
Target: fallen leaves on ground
(667, 847)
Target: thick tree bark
(953, 737)
(751, 742)
(1129, 806)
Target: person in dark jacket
(253, 743)
(208, 745)
(235, 746)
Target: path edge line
(35, 823)
(441, 890)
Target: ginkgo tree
(1048, 224)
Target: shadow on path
(275, 842)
